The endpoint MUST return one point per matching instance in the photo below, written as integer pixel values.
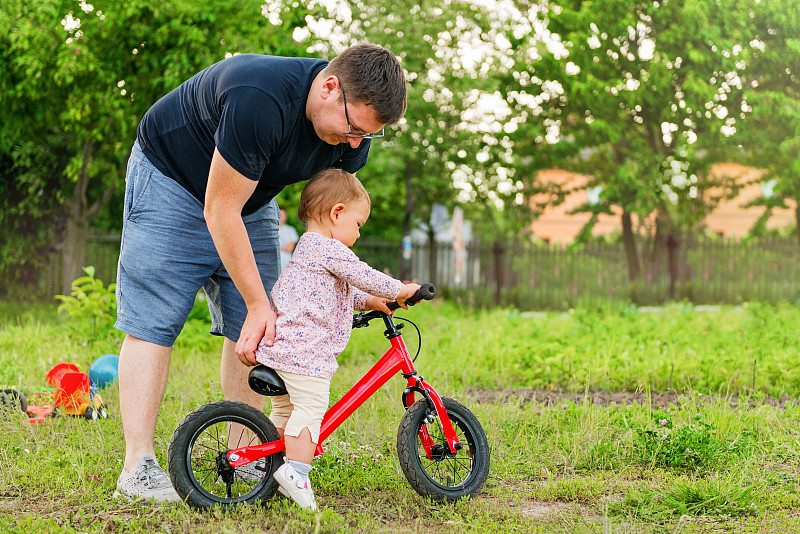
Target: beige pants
(303, 407)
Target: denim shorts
(167, 255)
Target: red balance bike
(224, 453)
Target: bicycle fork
(417, 383)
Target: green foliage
(90, 302)
(611, 349)
(443, 134)
(31, 219)
(557, 466)
(770, 137)
(718, 498)
(77, 79)
(690, 446)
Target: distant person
(314, 299)
(199, 212)
(288, 237)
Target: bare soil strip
(604, 398)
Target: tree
(77, 80)
(770, 137)
(448, 148)
(637, 83)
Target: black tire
(14, 398)
(443, 476)
(197, 458)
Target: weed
(716, 497)
(90, 301)
(691, 446)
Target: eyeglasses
(351, 133)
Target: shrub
(692, 446)
(90, 302)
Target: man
(288, 240)
(210, 157)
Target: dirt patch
(604, 398)
(542, 510)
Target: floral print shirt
(315, 298)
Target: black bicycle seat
(265, 381)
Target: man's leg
(143, 369)
(233, 376)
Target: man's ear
(329, 85)
(336, 212)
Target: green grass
(569, 466)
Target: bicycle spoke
(449, 471)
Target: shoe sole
(164, 502)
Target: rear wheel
(198, 464)
(13, 399)
(431, 469)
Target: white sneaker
(293, 486)
(147, 481)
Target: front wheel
(431, 469)
(197, 459)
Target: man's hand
(406, 293)
(257, 325)
(378, 303)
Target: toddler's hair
(326, 189)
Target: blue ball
(104, 370)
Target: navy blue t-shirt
(252, 108)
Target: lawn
(619, 419)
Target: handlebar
(425, 292)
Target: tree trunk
(410, 207)
(432, 267)
(629, 240)
(797, 220)
(73, 248)
(410, 203)
(73, 251)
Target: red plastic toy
(72, 392)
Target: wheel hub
(440, 453)
(224, 468)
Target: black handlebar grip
(425, 292)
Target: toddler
(315, 298)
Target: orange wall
(728, 219)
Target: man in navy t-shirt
(199, 212)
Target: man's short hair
(372, 75)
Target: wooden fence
(531, 277)
(102, 251)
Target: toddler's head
(335, 201)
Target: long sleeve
(359, 299)
(342, 263)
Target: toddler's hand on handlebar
(406, 293)
(378, 304)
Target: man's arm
(226, 194)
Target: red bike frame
(396, 359)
